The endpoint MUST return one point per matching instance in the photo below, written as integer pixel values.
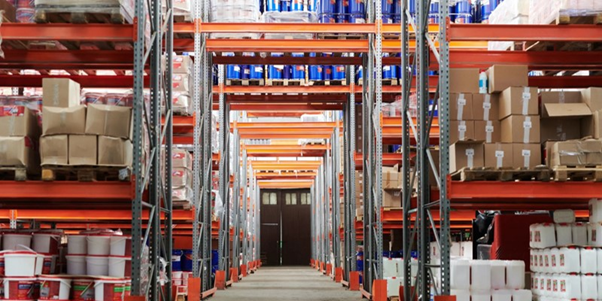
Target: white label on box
(486, 107)
(525, 101)
(461, 104)
(527, 157)
(462, 130)
(499, 155)
(236, 68)
(470, 157)
(527, 129)
(488, 131)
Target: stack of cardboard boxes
(76, 135)
(181, 172)
(182, 84)
(19, 135)
(391, 189)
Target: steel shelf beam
(69, 32)
(89, 191)
(531, 191)
(531, 32)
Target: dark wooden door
(285, 227)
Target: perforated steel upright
(224, 180)
(349, 261)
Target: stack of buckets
(181, 267)
(286, 71)
(243, 71)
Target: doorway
(285, 227)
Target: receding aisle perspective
(287, 283)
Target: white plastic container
(460, 274)
(120, 266)
(76, 264)
(501, 295)
(546, 254)
(393, 284)
(515, 274)
(114, 287)
(39, 263)
(533, 243)
(480, 275)
(10, 241)
(579, 234)
(461, 295)
(571, 285)
(555, 285)
(480, 296)
(589, 287)
(595, 210)
(569, 260)
(97, 265)
(564, 216)
(522, 295)
(77, 245)
(99, 244)
(589, 258)
(532, 261)
(595, 234)
(47, 243)
(121, 246)
(554, 257)
(599, 280)
(54, 287)
(498, 275)
(389, 267)
(535, 283)
(20, 263)
(547, 235)
(535, 261)
(564, 234)
(83, 288)
(599, 260)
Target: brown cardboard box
(465, 154)
(593, 151)
(181, 177)
(547, 152)
(181, 158)
(526, 155)
(9, 11)
(391, 177)
(520, 129)
(501, 77)
(54, 150)
(498, 155)
(591, 126)
(559, 97)
(464, 80)
(559, 129)
(60, 92)
(518, 101)
(359, 211)
(460, 106)
(107, 120)
(461, 131)
(391, 198)
(18, 121)
(114, 151)
(181, 64)
(63, 121)
(485, 106)
(565, 110)
(19, 151)
(568, 153)
(593, 98)
(488, 131)
(83, 150)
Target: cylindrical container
(82, 289)
(498, 275)
(480, 271)
(579, 234)
(589, 287)
(515, 274)
(46, 242)
(554, 260)
(595, 210)
(54, 287)
(109, 289)
(327, 72)
(245, 71)
(387, 19)
(589, 258)
(356, 19)
(285, 5)
(99, 244)
(463, 19)
(233, 71)
(256, 71)
(11, 241)
(272, 5)
(97, 265)
(276, 71)
(121, 246)
(76, 264)
(434, 13)
(77, 245)
(357, 7)
(387, 6)
(460, 274)
(595, 234)
(547, 235)
(176, 260)
(49, 264)
(315, 71)
(297, 71)
(341, 6)
(187, 261)
(297, 5)
(120, 266)
(569, 260)
(338, 72)
(21, 263)
(501, 295)
(327, 18)
(327, 7)
(564, 234)
(480, 296)
(20, 288)
(341, 19)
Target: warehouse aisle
(286, 283)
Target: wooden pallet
(385, 82)
(341, 36)
(285, 82)
(466, 174)
(565, 19)
(330, 82)
(13, 173)
(85, 173)
(185, 205)
(53, 16)
(245, 82)
(577, 173)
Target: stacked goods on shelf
(181, 175)
(561, 11)
(391, 184)
(244, 72)
(289, 11)
(359, 194)
(182, 81)
(234, 11)
(393, 273)
(508, 12)
(8, 7)
(117, 11)
(182, 10)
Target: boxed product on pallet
(498, 155)
(502, 77)
(526, 155)
(575, 152)
(561, 11)
(460, 106)
(391, 198)
(60, 92)
(181, 177)
(83, 150)
(591, 126)
(238, 11)
(466, 154)
(54, 150)
(487, 131)
(19, 152)
(58, 120)
(108, 120)
(562, 113)
(520, 129)
(181, 158)
(289, 17)
(485, 106)
(461, 130)
(181, 64)
(464, 80)
(518, 101)
(114, 151)
(18, 121)
(391, 177)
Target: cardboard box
(60, 92)
(83, 150)
(107, 120)
(518, 101)
(359, 211)
(521, 129)
(114, 151)
(591, 126)
(181, 82)
(63, 121)
(391, 198)
(182, 64)
(485, 106)
(501, 77)
(464, 80)
(526, 155)
(19, 151)
(181, 194)
(559, 129)
(461, 131)
(391, 177)
(498, 155)
(9, 11)
(567, 153)
(565, 110)
(460, 106)
(488, 131)
(181, 158)
(547, 152)
(466, 154)
(54, 150)
(181, 177)
(593, 151)
(593, 98)
(18, 121)
(558, 97)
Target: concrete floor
(286, 283)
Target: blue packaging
(315, 71)
(340, 18)
(297, 71)
(272, 5)
(187, 261)
(357, 7)
(285, 5)
(276, 71)
(297, 5)
(357, 19)
(327, 18)
(387, 6)
(342, 6)
(256, 72)
(327, 7)
(312, 5)
(286, 72)
(463, 19)
(327, 71)
(176, 260)
(338, 72)
(434, 13)
(245, 71)
(388, 19)
(359, 74)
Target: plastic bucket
(121, 246)
(327, 7)
(20, 288)
(97, 265)
(387, 6)
(338, 72)
(357, 7)
(387, 19)
(128, 288)
(298, 71)
(357, 19)
(285, 5)
(296, 5)
(10, 241)
(76, 264)
(245, 71)
(109, 289)
(327, 72)
(77, 245)
(99, 244)
(176, 260)
(276, 71)
(47, 243)
(463, 19)
(54, 288)
(327, 18)
(49, 264)
(187, 261)
(272, 5)
(120, 266)
(20, 263)
(82, 289)
(341, 6)
(233, 71)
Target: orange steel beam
(67, 31)
(531, 32)
(290, 184)
(282, 89)
(86, 215)
(108, 190)
(283, 107)
(285, 165)
(292, 28)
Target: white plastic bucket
(10, 241)
(595, 210)
(554, 260)
(461, 295)
(564, 234)
(82, 289)
(54, 287)
(20, 264)
(533, 236)
(498, 275)
(121, 246)
(97, 265)
(120, 266)
(595, 234)
(579, 234)
(571, 288)
(109, 289)
(589, 287)
(77, 245)
(76, 264)
(501, 295)
(49, 266)
(589, 258)
(47, 243)
(480, 275)
(39, 263)
(19, 288)
(547, 235)
(515, 274)
(99, 244)
(460, 274)
(569, 260)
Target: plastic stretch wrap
(509, 12)
(548, 11)
(123, 7)
(290, 17)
